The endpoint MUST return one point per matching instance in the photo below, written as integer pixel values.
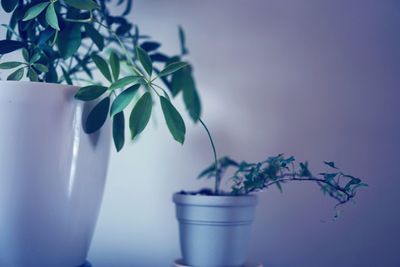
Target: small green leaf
(32, 75)
(34, 11)
(119, 130)
(97, 116)
(144, 60)
(140, 115)
(25, 54)
(101, 64)
(35, 58)
(69, 40)
(171, 68)
(9, 5)
(41, 67)
(182, 41)
(123, 99)
(82, 4)
(115, 65)
(121, 83)
(51, 17)
(192, 100)
(10, 65)
(7, 46)
(90, 92)
(174, 121)
(94, 34)
(16, 75)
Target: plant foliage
(66, 41)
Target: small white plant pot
(52, 176)
(214, 230)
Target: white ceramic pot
(214, 230)
(52, 176)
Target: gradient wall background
(316, 79)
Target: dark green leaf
(9, 5)
(150, 46)
(330, 164)
(82, 4)
(16, 75)
(90, 92)
(192, 100)
(123, 99)
(10, 65)
(144, 60)
(119, 130)
(7, 46)
(41, 67)
(94, 34)
(34, 11)
(174, 120)
(121, 83)
(51, 17)
(25, 54)
(115, 65)
(182, 41)
(140, 115)
(69, 40)
(32, 75)
(101, 64)
(171, 68)
(97, 116)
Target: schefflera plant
(65, 41)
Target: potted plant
(215, 225)
(58, 126)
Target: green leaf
(140, 115)
(8, 46)
(9, 5)
(82, 4)
(330, 164)
(121, 83)
(41, 67)
(174, 121)
(171, 68)
(10, 65)
(69, 40)
(119, 130)
(94, 34)
(101, 64)
(144, 60)
(150, 46)
(35, 58)
(67, 78)
(51, 17)
(25, 54)
(115, 65)
(192, 100)
(34, 11)
(97, 116)
(32, 75)
(16, 75)
(182, 41)
(123, 99)
(90, 92)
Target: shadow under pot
(214, 230)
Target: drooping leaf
(121, 83)
(150, 46)
(102, 65)
(51, 17)
(95, 36)
(115, 65)
(171, 68)
(41, 67)
(16, 75)
(145, 60)
(97, 116)
(123, 99)
(10, 65)
(82, 4)
(34, 11)
(69, 40)
(140, 115)
(9, 5)
(174, 120)
(90, 92)
(32, 75)
(119, 130)
(7, 46)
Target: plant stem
(217, 173)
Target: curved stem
(217, 173)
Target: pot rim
(214, 201)
(44, 85)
